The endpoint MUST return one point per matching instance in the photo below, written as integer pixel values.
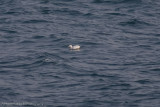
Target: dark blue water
(118, 64)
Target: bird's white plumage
(75, 47)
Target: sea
(118, 64)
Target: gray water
(118, 64)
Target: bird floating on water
(75, 47)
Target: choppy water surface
(118, 64)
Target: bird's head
(70, 46)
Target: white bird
(75, 47)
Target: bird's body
(75, 47)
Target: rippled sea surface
(118, 64)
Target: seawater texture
(118, 64)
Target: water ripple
(117, 65)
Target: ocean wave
(135, 23)
(117, 1)
(117, 64)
